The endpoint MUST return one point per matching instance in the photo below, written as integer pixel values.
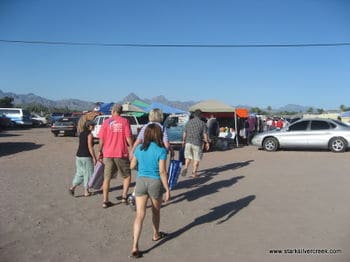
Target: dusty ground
(247, 203)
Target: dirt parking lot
(248, 205)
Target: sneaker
(184, 172)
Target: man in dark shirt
(195, 133)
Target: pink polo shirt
(114, 132)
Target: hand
(207, 146)
(166, 196)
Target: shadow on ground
(205, 190)
(218, 214)
(9, 148)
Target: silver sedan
(307, 133)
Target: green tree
(6, 101)
(320, 111)
(342, 108)
(310, 110)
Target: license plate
(61, 131)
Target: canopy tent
(345, 114)
(220, 109)
(212, 106)
(127, 108)
(166, 109)
(140, 104)
(105, 108)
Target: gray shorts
(114, 165)
(149, 186)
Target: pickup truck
(134, 124)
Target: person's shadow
(232, 166)
(205, 190)
(10, 148)
(220, 214)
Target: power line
(97, 44)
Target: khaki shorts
(193, 152)
(149, 186)
(114, 165)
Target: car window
(319, 125)
(131, 120)
(299, 126)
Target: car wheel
(270, 144)
(337, 144)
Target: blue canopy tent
(166, 109)
(105, 108)
(345, 114)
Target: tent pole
(236, 129)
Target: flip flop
(107, 204)
(161, 235)
(71, 191)
(135, 254)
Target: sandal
(71, 191)
(107, 204)
(135, 254)
(160, 236)
(125, 200)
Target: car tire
(337, 144)
(270, 144)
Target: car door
(296, 135)
(320, 133)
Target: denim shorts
(149, 186)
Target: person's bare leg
(105, 188)
(126, 185)
(187, 164)
(195, 168)
(141, 203)
(156, 204)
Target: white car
(134, 124)
(41, 120)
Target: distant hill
(80, 105)
(25, 99)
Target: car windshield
(341, 123)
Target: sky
(310, 76)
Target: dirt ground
(247, 206)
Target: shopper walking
(151, 183)
(115, 141)
(194, 135)
(85, 159)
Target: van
(134, 124)
(18, 116)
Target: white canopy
(212, 106)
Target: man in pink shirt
(115, 141)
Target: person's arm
(206, 138)
(91, 148)
(164, 179)
(136, 143)
(101, 143)
(133, 163)
(183, 138)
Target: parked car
(18, 116)
(5, 122)
(134, 124)
(38, 120)
(175, 124)
(307, 133)
(65, 126)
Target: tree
(342, 108)
(6, 102)
(320, 111)
(310, 110)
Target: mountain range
(80, 105)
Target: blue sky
(313, 76)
